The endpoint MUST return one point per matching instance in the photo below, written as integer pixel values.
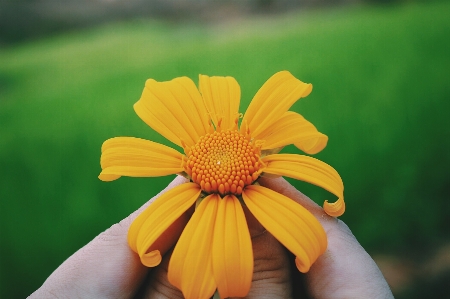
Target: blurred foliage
(381, 91)
(22, 20)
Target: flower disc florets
(223, 162)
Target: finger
(345, 270)
(271, 278)
(271, 272)
(157, 285)
(105, 268)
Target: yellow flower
(213, 247)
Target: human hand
(107, 268)
(345, 270)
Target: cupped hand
(107, 268)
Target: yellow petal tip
(151, 259)
(314, 145)
(302, 267)
(307, 90)
(108, 177)
(334, 209)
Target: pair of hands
(107, 268)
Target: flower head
(223, 161)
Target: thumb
(104, 268)
(271, 272)
(345, 270)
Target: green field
(381, 94)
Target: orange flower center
(223, 162)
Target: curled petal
(158, 227)
(174, 109)
(313, 145)
(221, 96)
(272, 100)
(135, 157)
(310, 170)
(232, 250)
(190, 267)
(290, 223)
(292, 128)
(336, 208)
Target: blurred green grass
(381, 94)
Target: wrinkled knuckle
(270, 270)
(158, 287)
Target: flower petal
(272, 100)
(313, 145)
(310, 170)
(174, 109)
(158, 227)
(190, 267)
(292, 128)
(135, 157)
(222, 96)
(232, 257)
(290, 223)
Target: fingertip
(178, 180)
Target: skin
(107, 268)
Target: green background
(381, 93)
